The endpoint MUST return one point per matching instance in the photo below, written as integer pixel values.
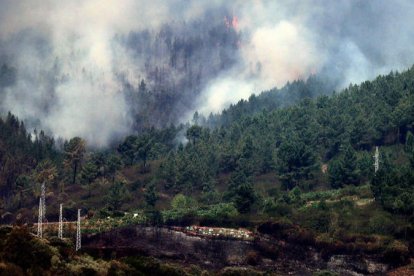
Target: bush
(26, 251)
(10, 269)
(180, 201)
(396, 252)
(381, 224)
(119, 268)
(239, 271)
(282, 209)
(179, 217)
(317, 218)
(325, 273)
(151, 266)
(252, 258)
(219, 212)
(86, 265)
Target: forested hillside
(289, 94)
(288, 145)
(20, 152)
(304, 166)
(339, 131)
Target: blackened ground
(265, 253)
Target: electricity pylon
(60, 232)
(376, 160)
(40, 220)
(78, 232)
(42, 211)
(43, 196)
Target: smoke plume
(342, 41)
(79, 63)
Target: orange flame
(232, 22)
(235, 23)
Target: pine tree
(113, 163)
(116, 195)
(88, 174)
(409, 147)
(74, 152)
(344, 170)
(241, 191)
(349, 163)
(194, 133)
(150, 195)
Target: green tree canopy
(74, 152)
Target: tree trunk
(74, 173)
(20, 199)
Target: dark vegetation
(302, 172)
(57, 257)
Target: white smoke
(349, 41)
(67, 66)
(68, 60)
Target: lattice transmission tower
(60, 232)
(78, 232)
(40, 220)
(376, 160)
(42, 211)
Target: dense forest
(295, 158)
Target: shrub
(239, 271)
(86, 265)
(10, 269)
(283, 209)
(151, 266)
(26, 251)
(381, 224)
(396, 252)
(219, 211)
(325, 273)
(252, 258)
(119, 268)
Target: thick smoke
(342, 41)
(78, 62)
(67, 61)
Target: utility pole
(60, 232)
(78, 232)
(376, 160)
